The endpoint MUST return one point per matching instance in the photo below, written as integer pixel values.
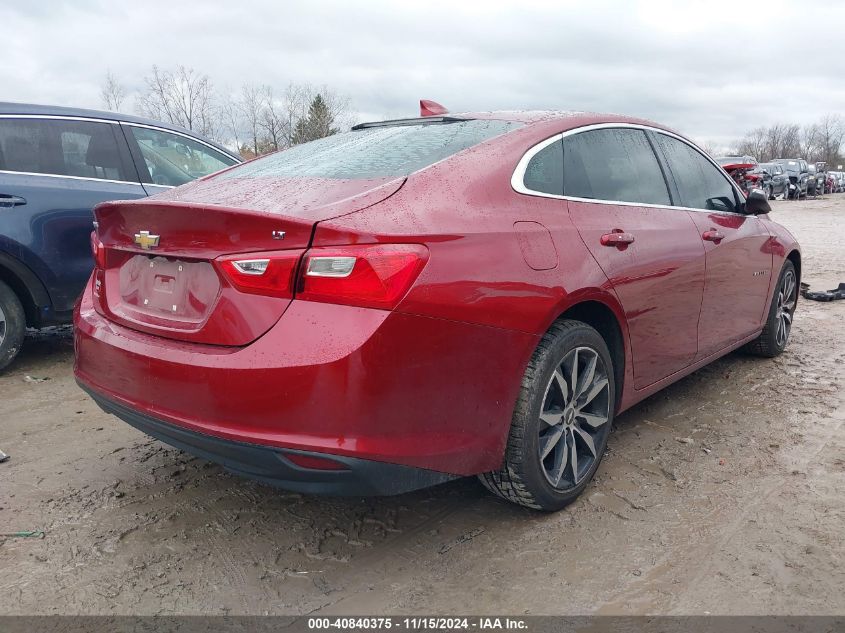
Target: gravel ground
(722, 494)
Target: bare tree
(754, 144)
(707, 146)
(182, 97)
(809, 141)
(273, 120)
(231, 120)
(113, 93)
(251, 105)
(830, 135)
(260, 120)
(781, 141)
(295, 106)
(821, 141)
(791, 140)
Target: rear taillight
(270, 274)
(370, 276)
(98, 251)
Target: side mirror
(757, 202)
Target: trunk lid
(160, 259)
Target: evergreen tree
(317, 124)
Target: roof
(542, 121)
(527, 116)
(31, 109)
(552, 121)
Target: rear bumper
(272, 466)
(349, 382)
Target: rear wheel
(12, 325)
(775, 335)
(561, 421)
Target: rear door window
(616, 164)
(173, 159)
(700, 183)
(544, 172)
(63, 147)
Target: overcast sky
(712, 69)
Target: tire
(545, 416)
(12, 325)
(775, 335)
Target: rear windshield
(378, 152)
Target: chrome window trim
(518, 177)
(623, 203)
(66, 117)
(58, 117)
(86, 178)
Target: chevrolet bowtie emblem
(145, 240)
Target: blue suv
(55, 165)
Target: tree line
(257, 119)
(820, 141)
(261, 118)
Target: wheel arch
(26, 285)
(795, 257)
(607, 322)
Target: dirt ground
(722, 494)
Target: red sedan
(424, 299)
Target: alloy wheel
(787, 297)
(574, 418)
(2, 325)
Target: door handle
(617, 238)
(713, 235)
(11, 201)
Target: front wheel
(775, 335)
(12, 325)
(561, 421)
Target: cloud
(712, 70)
